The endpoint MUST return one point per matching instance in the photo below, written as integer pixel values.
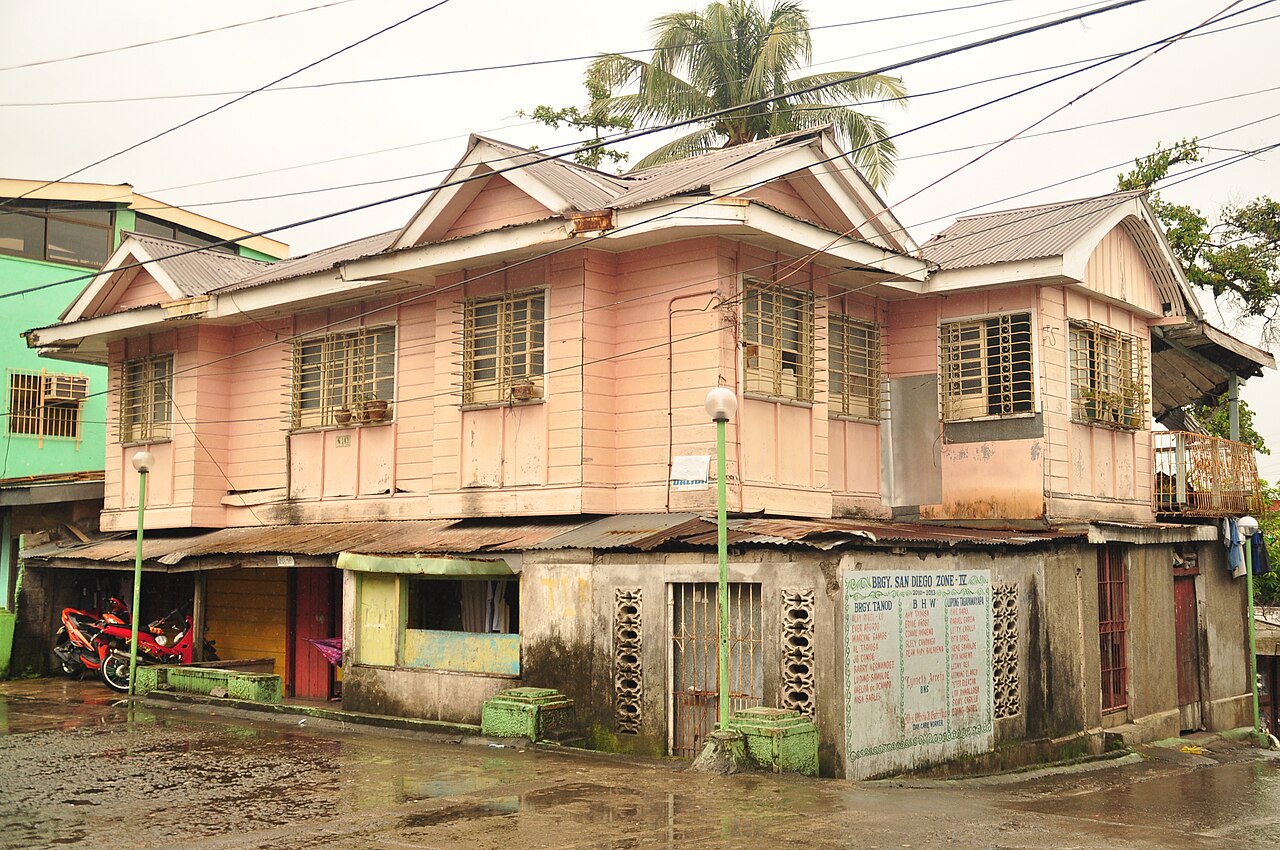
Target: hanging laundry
(1258, 552)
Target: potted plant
(342, 415)
(372, 408)
(523, 390)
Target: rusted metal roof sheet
(828, 534)
(371, 538)
(200, 272)
(629, 531)
(1026, 233)
(316, 261)
(621, 531)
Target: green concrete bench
(233, 684)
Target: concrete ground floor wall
(630, 635)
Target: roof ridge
(1053, 204)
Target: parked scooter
(168, 640)
(76, 645)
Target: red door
(1187, 628)
(313, 618)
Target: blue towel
(1235, 552)
(1258, 552)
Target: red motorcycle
(168, 640)
(76, 645)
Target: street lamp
(721, 404)
(142, 461)
(1248, 526)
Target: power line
(173, 38)
(540, 156)
(1030, 215)
(507, 66)
(579, 245)
(233, 101)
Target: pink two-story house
(476, 448)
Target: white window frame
(1110, 394)
(338, 378)
(146, 399)
(765, 350)
(505, 361)
(842, 403)
(966, 395)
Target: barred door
(695, 659)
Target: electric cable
(168, 39)
(231, 102)
(503, 67)
(540, 156)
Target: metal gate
(695, 652)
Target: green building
(52, 414)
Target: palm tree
(733, 53)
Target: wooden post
(197, 616)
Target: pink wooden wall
(142, 291)
(634, 341)
(500, 203)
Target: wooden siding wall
(499, 203)
(141, 291)
(247, 614)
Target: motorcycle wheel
(115, 672)
(62, 646)
(210, 654)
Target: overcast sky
(404, 132)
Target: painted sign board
(690, 472)
(918, 675)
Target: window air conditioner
(65, 389)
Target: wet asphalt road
(78, 770)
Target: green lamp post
(143, 462)
(1248, 526)
(721, 404)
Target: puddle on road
(1222, 798)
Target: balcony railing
(1199, 475)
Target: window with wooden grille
(46, 404)
(146, 387)
(504, 342)
(777, 338)
(344, 378)
(986, 367)
(1113, 626)
(854, 365)
(1106, 376)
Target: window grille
(146, 385)
(778, 341)
(344, 378)
(504, 348)
(43, 404)
(854, 364)
(986, 367)
(1113, 624)
(1106, 376)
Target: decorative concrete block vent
(539, 714)
(232, 684)
(778, 739)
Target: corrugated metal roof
(698, 172)
(316, 261)
(200, 272)
(372, 538)
(584, 188)
(629, 531)
(1027, 233)
(621, 531)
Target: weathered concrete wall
(1153, 671)
(1224, 624)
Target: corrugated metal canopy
(1194, 363)
(628, 531)
(316, 261)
